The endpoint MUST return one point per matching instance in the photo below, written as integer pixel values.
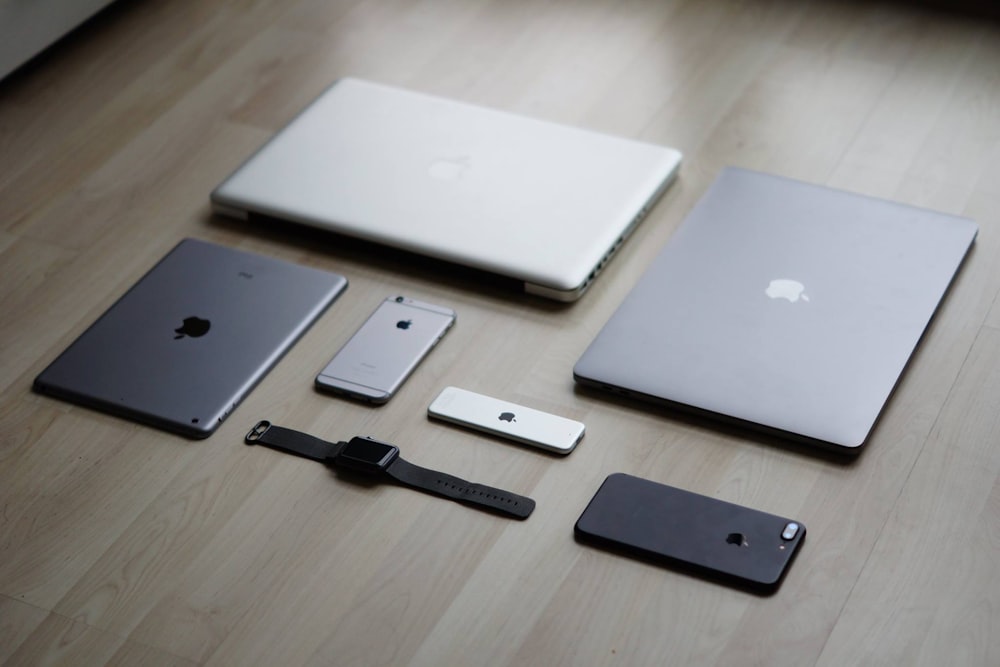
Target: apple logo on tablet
(507, 417)
(783, 288)
(195, 327)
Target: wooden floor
(121, 544)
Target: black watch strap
(452, 487)
(403, 472)
(293, 442)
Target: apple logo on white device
(449, 169)
(783, 288)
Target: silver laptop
(188, 341)
(539, 202)
(784, 306)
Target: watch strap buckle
(257, 432)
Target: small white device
(506, 419)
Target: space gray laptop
(192, 337)
(785, 306)
(539, 202)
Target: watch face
(368, 455)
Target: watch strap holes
(473, 491)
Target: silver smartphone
(380, 356)
(506, 419)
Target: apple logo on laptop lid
(449, 168)
(784, 288)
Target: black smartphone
(701, 535)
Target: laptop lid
(188, 341)
(786, 306)
(542, 203)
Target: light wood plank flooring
(120, 544)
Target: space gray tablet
(188, 342)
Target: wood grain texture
(123, 545)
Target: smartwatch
(377, 459)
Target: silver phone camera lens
(790, 531)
